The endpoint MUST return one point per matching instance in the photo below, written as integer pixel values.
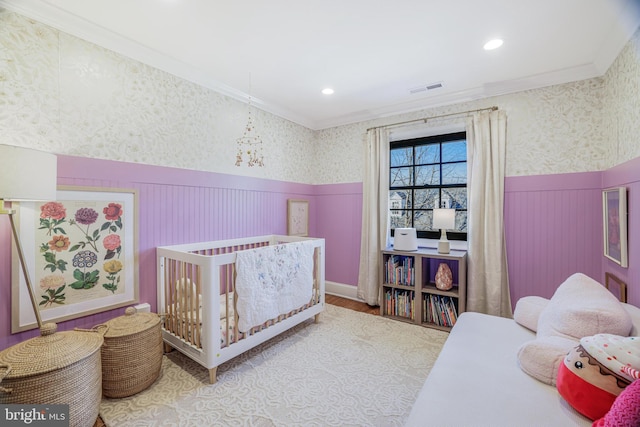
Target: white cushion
(579, 308)
(527, 311)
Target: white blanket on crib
(272, 280)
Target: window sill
(458, 245)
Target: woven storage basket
(131, 353)
(55, 368)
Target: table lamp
(26, 175)
(444, 219)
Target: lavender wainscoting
(553, 227)
(174, 206)
(339, 213)
(553, 223)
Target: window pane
(400, 219)
(454, 198)
(454, 173)
(454, 151)
(428, 175)
(400, 199)
(427, 199)
(428, 154)
(461, 221)
(422, 220)
(401, 177)
(401, 156)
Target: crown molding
(48, 14)
(74, 25)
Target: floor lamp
(26, 175)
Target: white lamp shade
(27, 174)
(444, 219)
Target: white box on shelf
(405, 239)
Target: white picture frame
(99, 224)
(297, 217)
(614, 214)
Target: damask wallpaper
(62, 94)
(622, 104)
(588, 125)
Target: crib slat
(231, 283)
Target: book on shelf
(439, 310)
(400, 270)
(399, 303)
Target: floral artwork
(84, 250)
(73, 244)
(297, 217)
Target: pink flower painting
(73, 246)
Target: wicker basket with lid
(55, 368)
(131, 353)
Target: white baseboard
(342, 290)
(143, 308)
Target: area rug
(349, 369)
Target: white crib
(197, 298)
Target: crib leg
(167, 348)
(316, 318)
(212, 375)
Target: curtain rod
(425, 119)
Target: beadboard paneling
(553, 229)
(553, 223)
(339, 206)
(174, 206)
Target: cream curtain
(487, 281)
(375, 214)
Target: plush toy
(596, 372)
(625, 411)
(580, 307)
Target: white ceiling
(371, 52)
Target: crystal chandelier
(250, 144)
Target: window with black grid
(428, 173)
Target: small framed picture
(297, 217)
(616, 286)
(614, 214)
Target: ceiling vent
(425, 88)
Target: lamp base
(444, 247)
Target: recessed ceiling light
(493, 44)
(327, 91)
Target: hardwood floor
(351, 304)
(99, 423)
(329, 299)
